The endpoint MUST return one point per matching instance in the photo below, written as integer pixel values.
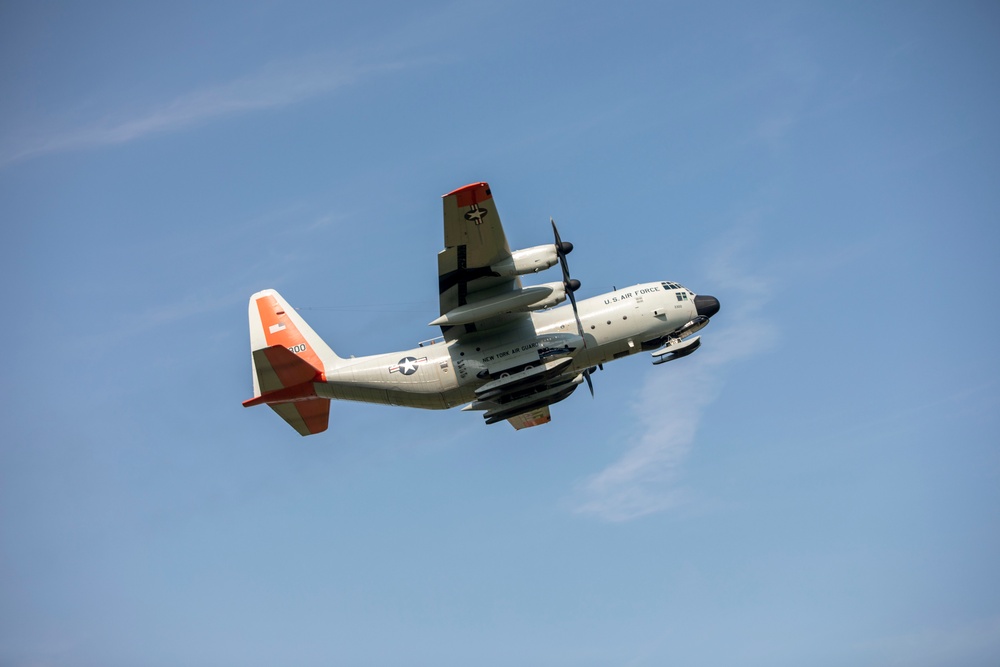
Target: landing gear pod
(676, 350)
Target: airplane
(505, 350)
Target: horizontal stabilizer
(277, 367)
(286, 384)
(306, 417)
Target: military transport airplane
(505, 351)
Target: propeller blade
(576, 313)
(572, 285)
(562, 249)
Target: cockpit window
(681, 296)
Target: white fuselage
(444, 375)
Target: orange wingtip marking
(280, 330)
(470, 194)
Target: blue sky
(819, 484)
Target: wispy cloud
(644, 480)
(675, 399)
(275, 85)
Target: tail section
(288, 358)
(274, 322)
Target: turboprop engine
(532, 260)
(535, 297)
(529, 260)
(557, 296)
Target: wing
(474, 241)
(533, 418)
(524, 398)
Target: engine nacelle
(535, 297)
(557, 296)
(529, 260)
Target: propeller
(564, 248)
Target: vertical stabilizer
(287, 358)
(274, 322)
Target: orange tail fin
(288, 358)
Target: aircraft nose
(706, 305)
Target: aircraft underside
(506, 350)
